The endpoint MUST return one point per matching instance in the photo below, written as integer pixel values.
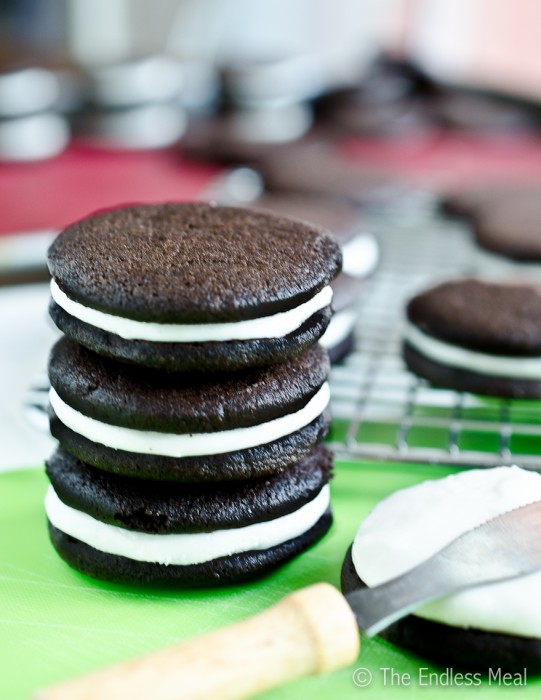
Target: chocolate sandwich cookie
(318, 170)
(508, 223)
(360, 253)
(132, 531)
(183, 427)
(360, 250)
(503, 218)
(193, 286)
(474, 201)
(496, 626)
(465, 203)
(330, 213)
(392, 100)
(478, 336)
(483, 114)
(351, 113)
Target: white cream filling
(275, 326)
(184, 549)
(360, 255)
(462, 358)
(411, 525)
(339, 328)
(188, 444)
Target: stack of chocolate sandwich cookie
(189, 394)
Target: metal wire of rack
(381, 411)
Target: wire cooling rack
(382, 411)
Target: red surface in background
(53, 193)
(443, 161)
(81, 180)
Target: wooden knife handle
(308, 632)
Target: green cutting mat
(56, 623)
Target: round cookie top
(509, 224)
(340, 217)
(192, 263)
(494, 317)
(146, 399)
(492, 200)
(162, 508)
(469, 202)
(321, 171)
(413, 524)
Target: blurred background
(485, 43)
(341, 111)
(102, 63)
(217, 75)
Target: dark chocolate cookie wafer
(503, 218)
(151, 424)
(157, 507)
(466, 203)
(133, 531)
(323, 171)
(392, 100)
(193, 286)
(472, 649)
(508, 224)
(479, 336)
(330, 213)
(360, 253)
(222, 571)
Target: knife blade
(315, 629)
(502, 548)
